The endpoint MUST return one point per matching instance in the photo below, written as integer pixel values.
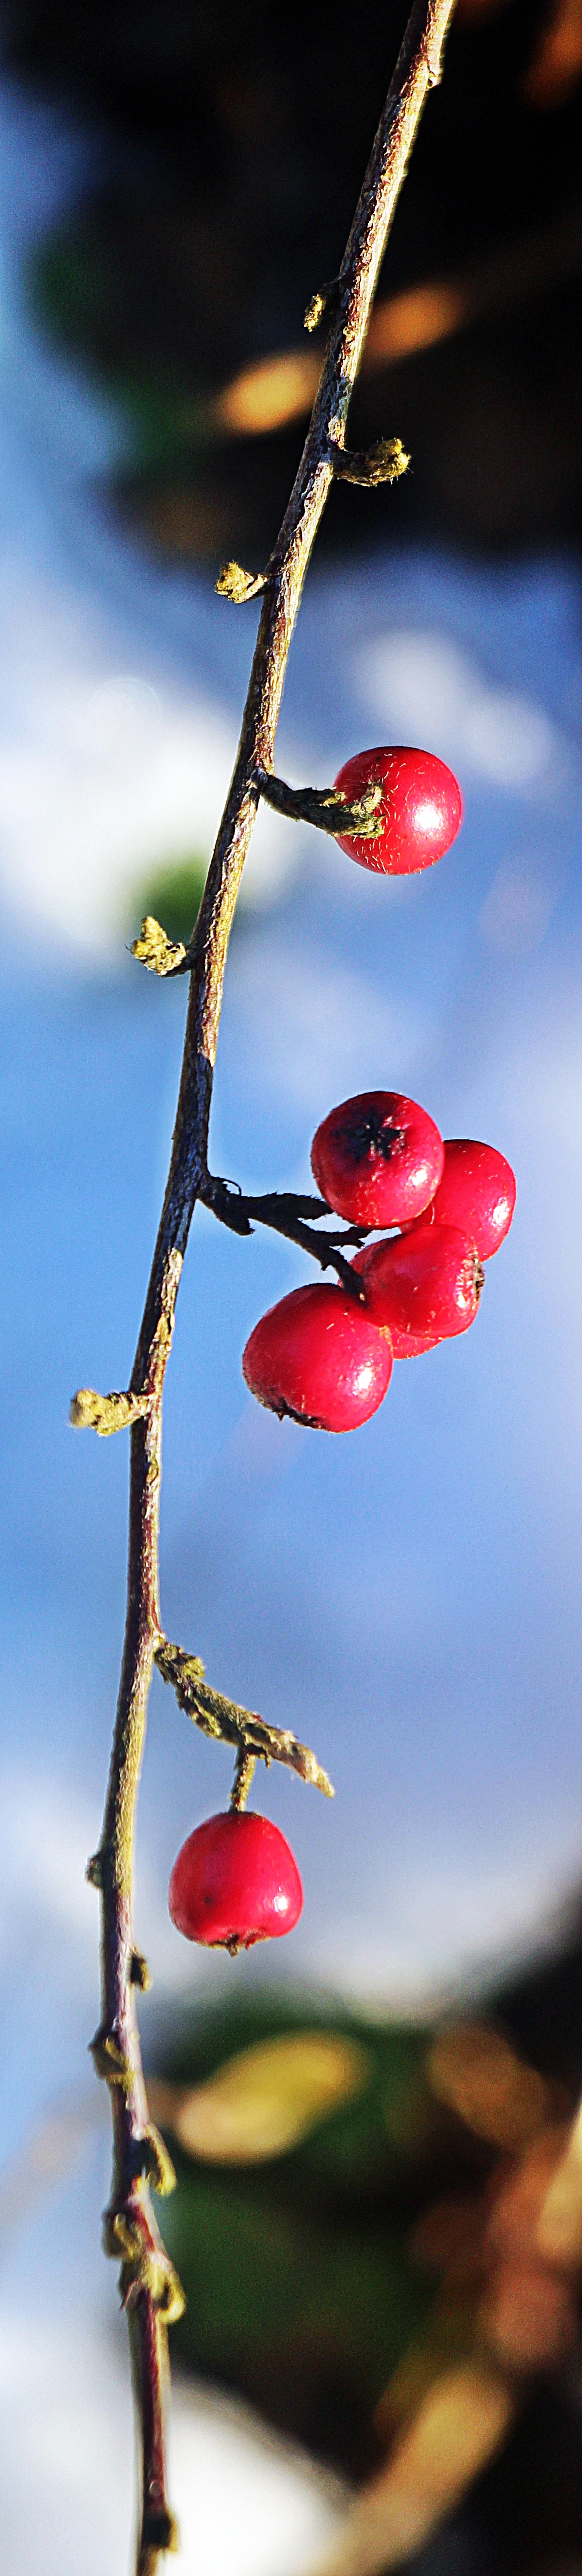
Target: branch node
(226, 1203)
(383, 463)
(236, 584)
(157, 2163)
(139, 1974)
(160, 2530)
(161, 955)
(109, 2060)
(153, 2273)
(324, 301)
(121, 2234)
(432, 50)
(104, 1414)
(94, 1873)
(145, 2266)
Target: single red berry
(421, 809)
(477, 1192)
(235, 1882)
(424, 1285)
(318, 1356)
(378, 1159)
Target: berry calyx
(477, 1192)
(425, 1286)
(420, 812)
(378, 1158)
(320, 1357)
(235, 1882)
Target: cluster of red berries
(326, 1358)
(379, 1161)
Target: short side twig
(229, 1724)
(324, 806)
(149, 2290)
(384, 463)
(282, 1213)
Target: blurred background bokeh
(174, 183)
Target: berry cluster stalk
(150, 2291)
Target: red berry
(477, 1192)
(235, 1882)
(318, 1356)
(421, 810)
(377, 1159)
(424, 1285)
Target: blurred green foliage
(173, 894)
(301, 2290)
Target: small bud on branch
(324, 301)
(384, 463)
(155, 950)
(139, 1971)
(239, 586)
(157, 2164)
(109, 2060)
(105, 1413)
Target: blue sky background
(408, 1598)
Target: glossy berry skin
(378, 1158)
(235, 1882)
(422, 808)
(424, 1285)
(477, 1192)
(318, 1356)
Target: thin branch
(148, 2287)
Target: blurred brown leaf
(460, 2423)
(472, 2068)
(264, 2101)
(556, 65)
(559, 2226)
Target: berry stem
(281, 1211)
(148, 2287)
(245, 1768)
(323, 806)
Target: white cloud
(423, 688)
(247, 2503)
(49, 1913)
(438, 1933)
(514, 917)
(46, 1836)
(320, 1030)
(104, 775)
